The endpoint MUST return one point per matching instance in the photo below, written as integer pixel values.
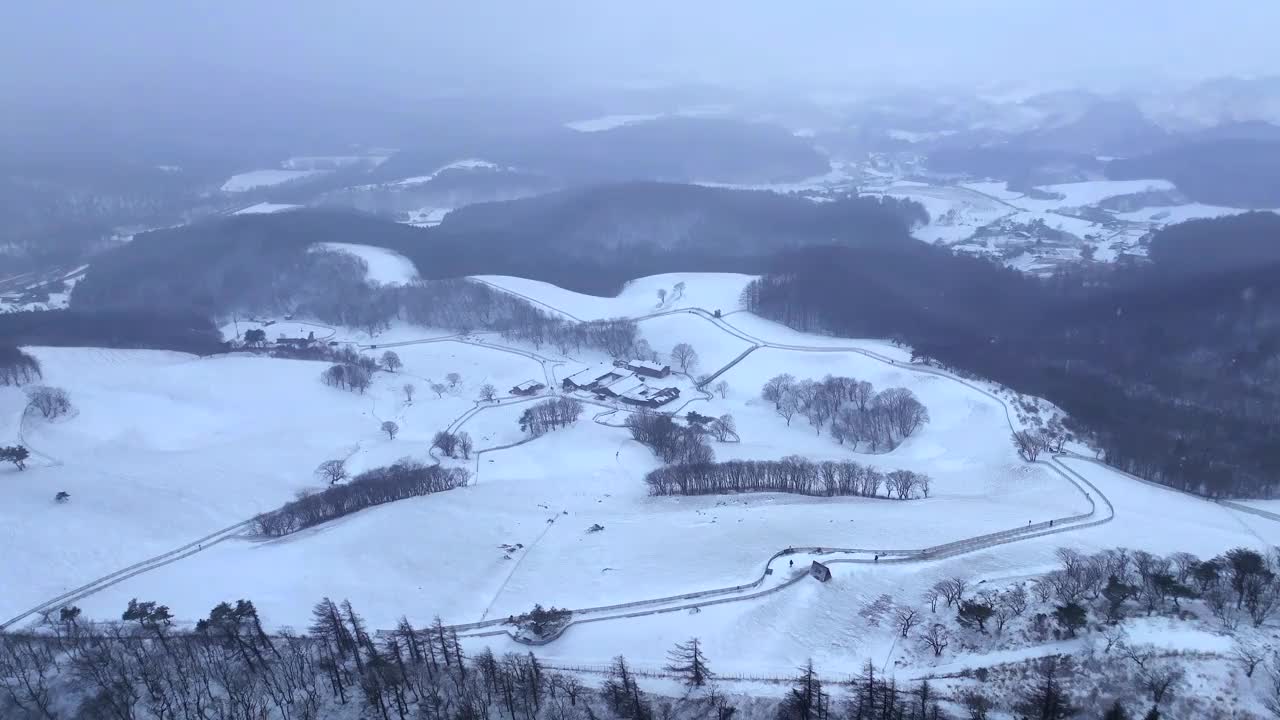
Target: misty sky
(417, 46)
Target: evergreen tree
(1071, 617)
(806, 701)
(687, 661)
(1046, 700)
(1117, 711)
(975, 612)
(1152, 714)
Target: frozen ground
(386, 267)
(246, 181)
(166, 447)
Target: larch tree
(687, 661)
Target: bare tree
(409, 390)
(776, 388)
(788, 405)
(685, 356)
(488, 392)
(952, 589)
(439, 389)
(464, 445)
(662, 296)
(906, 619)
(50, 401)
(332, 471)
(454, 380)
(391, 361)
(677, 291)
(1249, 656)
(936, 638)
(390, 428)
(1029, 444)
(932, 595)
(722, 387)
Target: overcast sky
(416, 46)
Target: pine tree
(806, 701)
(1047, 700)
(1117, 711)
(1153, 714)
(687, 661)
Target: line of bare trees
(17, 367)
(405, 479)
(791, 474)
(548, 415)
(853, 411)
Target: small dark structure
(297, 342)
(820, 572)
(648, 369)
(528, 387)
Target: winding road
(770, 579)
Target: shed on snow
(648, 369)
(819, 571)
(528, 387)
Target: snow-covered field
(165, 447)
(468, 164)
(386, 267)
(253, 179)
(265, 208)
(608, 122)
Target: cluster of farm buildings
(628, 381)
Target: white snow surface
(638, 297)
(253, 179)
(166, 447)
(468, 164)
(386, 267)
(1080, 194)
(608, 122)
(264, 208)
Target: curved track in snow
(768, 581)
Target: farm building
(592, 378)
(528, 387)
(820, 572)
(648, 369)
(646, 396)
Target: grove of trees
(17, 367)
(851, 409)
(548, 415)
(792, 474)
(404, 479)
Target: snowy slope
(386, 267)
(246, 181)
(265, 208)
(638, 297)
(207, 442)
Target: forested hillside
(592, 240)
(1171, 368)
(1235, 171)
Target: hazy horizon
(419, 49)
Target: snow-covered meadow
(164, 448)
